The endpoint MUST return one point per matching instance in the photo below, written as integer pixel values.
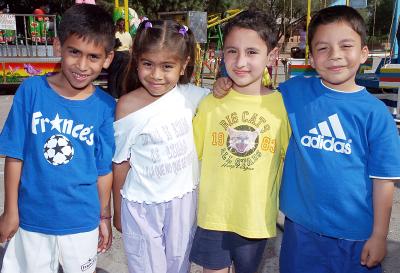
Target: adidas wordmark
(336, 142)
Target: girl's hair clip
(183, 30)
(148, 24)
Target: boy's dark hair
(258, 21)
(152, 36)
(90, 22)
(344, 14)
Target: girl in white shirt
(155, 162)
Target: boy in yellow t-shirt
(241, 140)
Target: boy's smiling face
(337, 54)
(246, 56)
(81, 62)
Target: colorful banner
(16, 72)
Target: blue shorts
(219, 249)
(306, 251)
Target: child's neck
(348, 87)
(64, 89)
(252, 90)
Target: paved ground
(114, 261)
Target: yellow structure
(116, 5)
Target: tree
(287, 13)
(383, 17)
(150, 8)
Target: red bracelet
(105, 217)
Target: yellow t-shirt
(241, 141)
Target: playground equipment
(384, 82)
(133, 18)
(197, 22)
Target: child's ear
(272, 56)
(184, 66)
(364, 54)
(311, 60)
(109, 58)
(57, 47)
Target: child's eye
(168, 66)
(230, 51)
(251, 52)
(73, 51)
(321, 49)
(347, 46)
(94, 57)
(146, 64)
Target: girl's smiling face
(246, 56)
(159, 71)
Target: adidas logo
(336, 142)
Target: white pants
(158, 237)
(32, 252)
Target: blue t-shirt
(64, 145)
(340, 142)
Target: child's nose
(335, 53)
(241, 60)
(82, 63)
(157, 73)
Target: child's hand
(221, 87)
(9, 223)
(374, 251)
(117, 221)
(105, 235)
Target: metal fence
(33, 36)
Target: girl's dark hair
(89, 22)
(152, 36)
(258, 21)
(345, 14)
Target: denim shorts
(220, 249)
(305, 251)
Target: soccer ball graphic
(58, 150)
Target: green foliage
(383, 17)
(150, 8)
(219, 6)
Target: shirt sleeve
(106, 144)
(384, 146)
(286, 132)
(122, 141)
(16, 127)
(195, 94)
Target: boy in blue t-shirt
(58, 142)
(343, 156)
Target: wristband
(105, 217)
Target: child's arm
(120, 171)
(9, 220)
(105, 234)
(221, 87)
(375, 248)
(126, 105)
